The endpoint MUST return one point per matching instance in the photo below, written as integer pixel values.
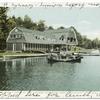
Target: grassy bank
(82, 50)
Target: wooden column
(24, 47)
(13, 47)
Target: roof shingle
(48, 36)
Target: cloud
(84, 22)
(84, 26)
(92, 34)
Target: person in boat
(51, 50)
(73, 55)
(63, 54)
(76, 55)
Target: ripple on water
(37, 74)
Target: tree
(11, 23)
(3, 26)
(96, 43)
(50, 28)
(19, 21)
(14, 18)
(27, 22)
(41, 25)
(61, 27)
(3, 20)
(34, 26)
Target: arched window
(36, 37)
(61, 38)
(71, 39)
(74, 39)
(68, 38)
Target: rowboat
(60, 58)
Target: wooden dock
(6, 57)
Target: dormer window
(68, 38)
(16, 36)
(71, 39)
(61, 38)
(74, 39)
(36, 37)
(13, 36)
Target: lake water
(37, 74)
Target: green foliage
(41, 25)
(3, 26)
(61, 27)
(50, 28)
(18, 21)
(84, 42)
(8, 23)
(11, 23)
(27, 23)
(3, 21)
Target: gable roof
(47, 36)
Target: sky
(86, 20)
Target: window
(71, 39)
(68, 38)
(74, 39)
(19, 36)
(14, 36)
(36, 37)
(61, 38)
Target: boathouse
(22, 39)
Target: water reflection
(37, 74)
(3, 76)
(51, 63)
(33, 73)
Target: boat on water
(53, 57)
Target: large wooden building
(22, 39)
